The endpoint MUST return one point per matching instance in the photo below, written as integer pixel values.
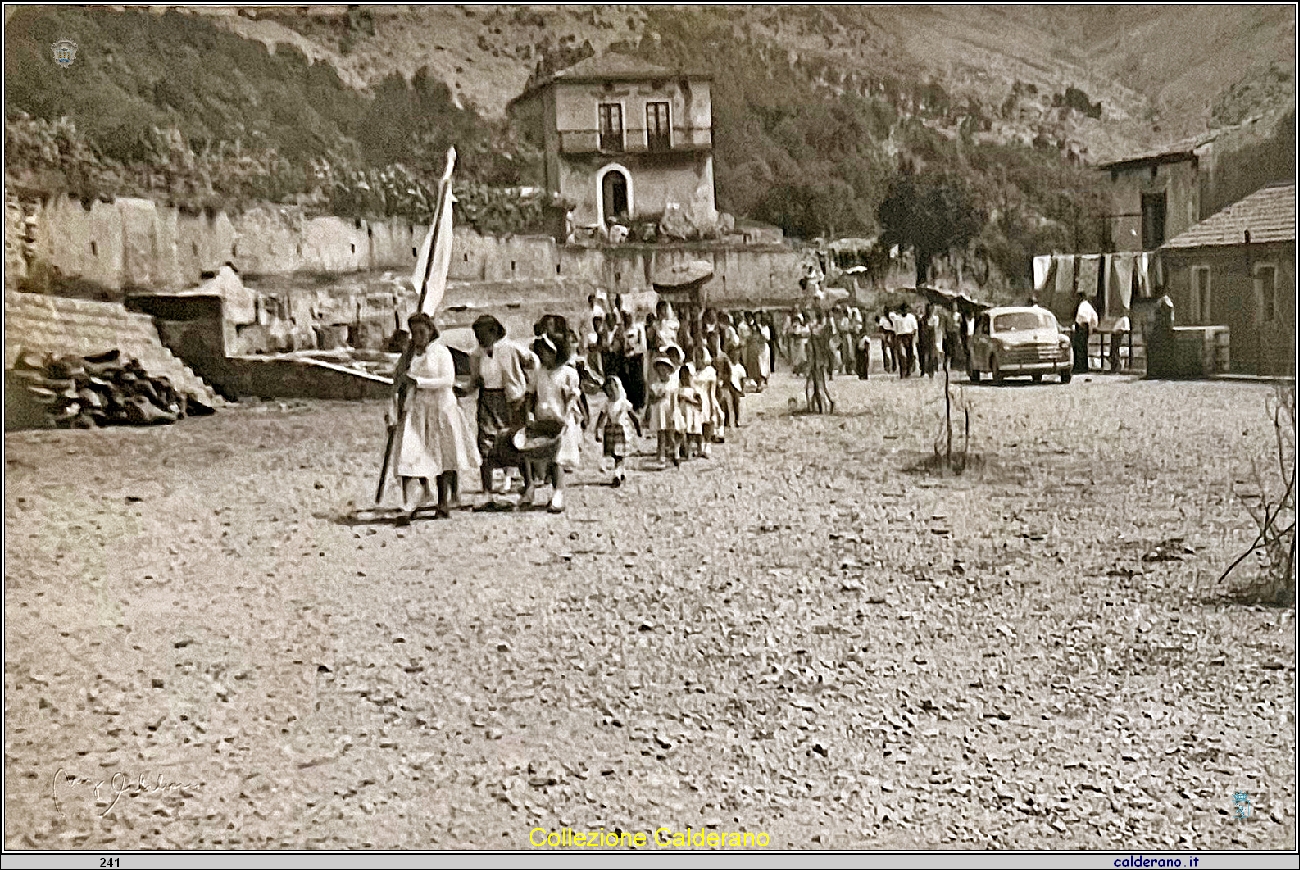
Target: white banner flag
(431, 278)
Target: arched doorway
(614, 186)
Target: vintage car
(1019, 341)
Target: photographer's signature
(114, 788)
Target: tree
(930, 214)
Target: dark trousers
(863, 360)
(1116, 342)
(952, 347)
(905, 351)
(887, 350)
(1081, 334)
(924, 351)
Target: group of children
(534, 410)
(684, 409)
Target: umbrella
(943, 296)
(683, 275)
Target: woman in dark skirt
(611, 346)
(500, 373)
(634, 351)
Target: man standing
(905, 328)
(925, 341)
(934, 339)
(951, 342)
(885, 322)
(1085, 322)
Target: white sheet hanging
(1042, 271)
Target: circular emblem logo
(65, 52)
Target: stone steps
(57, 325)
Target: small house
(624, 140)
(1153, 197)
(1236, 268)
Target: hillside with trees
(819, 112)
(171, 106)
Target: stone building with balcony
(624, 140)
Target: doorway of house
(614, 194)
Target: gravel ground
(804, 636)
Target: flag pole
(404, 362)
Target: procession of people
(678, 377)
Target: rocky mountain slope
(1157, 73)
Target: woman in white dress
(435, 441)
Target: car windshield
(1017, 321)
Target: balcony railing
(635, 141)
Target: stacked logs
(75, 392)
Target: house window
(611, 127)
(658, 127)
(1153, 221)
(1200, 294)
(1266, 293)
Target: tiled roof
(613, 66)
(1182, 149)
(610, 67)
(1268, 214)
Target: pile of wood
(76, 392)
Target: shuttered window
(611, 127)
(1200, 294)
(658, 127)
(1266, 293)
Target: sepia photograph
(517, 432)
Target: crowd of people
(676, 376)
(841, 339)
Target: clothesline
(1111, 280)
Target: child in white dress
(705, 379)
(615, 424)
(661, 408)
(690, 409)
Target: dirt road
(207, 646)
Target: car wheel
(1038, 379)
(1067, 375)
(993, 370)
